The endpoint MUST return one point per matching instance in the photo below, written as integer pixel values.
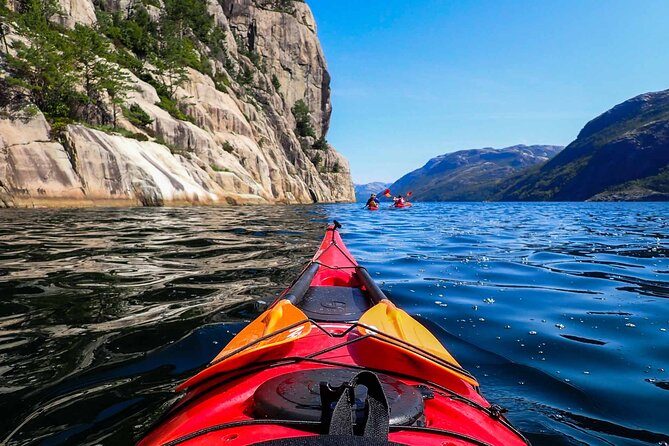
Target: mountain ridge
(470, 175)
(622, 154)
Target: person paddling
(373, 202)
(399, 201)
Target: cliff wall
(237, 141)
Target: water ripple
(560, 310)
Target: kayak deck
(333, 326)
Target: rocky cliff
(622, 154)
(230, 131)
(470, 175)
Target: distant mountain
(622, 154)
(470, 175)
(363, 191)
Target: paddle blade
(277, 319)
(409, 194)
(387, 319)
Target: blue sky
(415, 79)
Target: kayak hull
(229, 399)
(333, 324)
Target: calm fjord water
(560, 310)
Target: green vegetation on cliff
(278, 5)
(49, 71)
(154, 41)
(303, 120)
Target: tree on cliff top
(286, 6)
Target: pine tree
(91, 49)
(46, 71)
(35, 14)
(170, 64)
(115, 83)
(303, 119)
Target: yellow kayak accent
(279, 317)
(385, 318)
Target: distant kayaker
(373, 202)
(399, 200)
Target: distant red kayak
(333, 361)
(402, 205)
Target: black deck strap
(316, 440)
(328, 440)
(373, 290)
(377, 415)
(336, 224)
(300, 287)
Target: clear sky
(415, 79)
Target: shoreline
(66, 203)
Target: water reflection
(103, 311)
(559, 309)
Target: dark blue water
(560, 310)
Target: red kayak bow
(333, 361)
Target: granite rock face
(94, 168)
(241, 148)
(33, 168)
(77, 11)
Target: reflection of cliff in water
(88, 294)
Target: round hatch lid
(296, 396)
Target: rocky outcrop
(470, 175)
(241, 146)
(76, 11)
(622, 154)
(94, 168)
(71, 12)
(33, 168)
